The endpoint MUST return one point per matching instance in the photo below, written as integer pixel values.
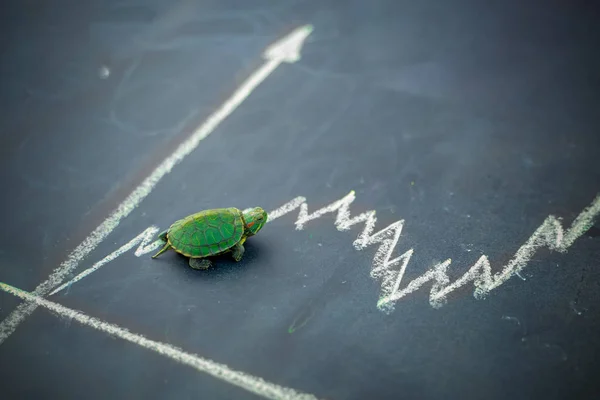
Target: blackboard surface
(470, 121)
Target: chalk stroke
(245, 381)
(387, 238)
(286, 50)
(550, 235)
(147, 243)
(391, 270)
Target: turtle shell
(207, 233)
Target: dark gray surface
(473, 121)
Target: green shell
(207, 233)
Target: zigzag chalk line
(390, 270)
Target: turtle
(212, 232)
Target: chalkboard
(431, 175)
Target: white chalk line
(550, 234)
(146, 241)
(245, 381)
(286, 49)
(391, 271)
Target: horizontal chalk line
(245, 381)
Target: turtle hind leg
(238, 251)
(166, 247)
(200, 263)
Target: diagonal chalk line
(286, 50)
(245, 381)
(145, 246)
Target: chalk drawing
(390, 270)
(549, 234)
(387, 238)
(286, 50)
(147, 243)
(245, 381)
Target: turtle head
(255, 219)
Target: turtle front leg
(238, 251)
(200, 263)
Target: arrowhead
(288, 48)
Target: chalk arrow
(287, 49)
